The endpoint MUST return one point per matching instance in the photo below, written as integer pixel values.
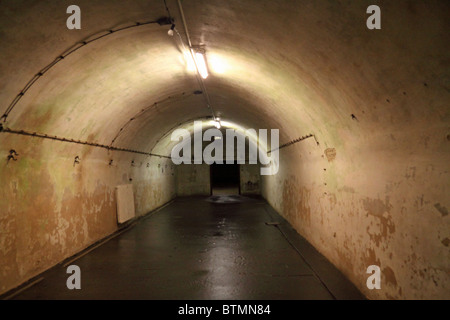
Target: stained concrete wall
(380, 203)
(52, 207)
(193, 179)
(250, 179)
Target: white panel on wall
(125, 203)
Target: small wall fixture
(12, 155)
(170, 32)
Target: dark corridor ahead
(225, 179)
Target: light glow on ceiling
(190, 65)
(218, 64)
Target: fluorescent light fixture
(190, 65)
(201, 65)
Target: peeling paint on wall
(51, 210)
(441, 209)
(330, 153)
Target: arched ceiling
(377, 101)
(300, 66)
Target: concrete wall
(51, 208)
(193, 179)
(373, 203)
(250, 179)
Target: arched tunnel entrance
(357, 176)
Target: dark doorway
(225, 179)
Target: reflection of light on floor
(221, 262)
(224, 198)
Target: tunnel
(361, 172)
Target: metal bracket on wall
(287, 144)
(12, 155)
(92, 144)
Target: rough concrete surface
(371, 186)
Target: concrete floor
(201, 248)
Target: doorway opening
(225, 179)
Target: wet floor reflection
(218, 247)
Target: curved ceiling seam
(180, 124)
(233, 126)
(144, 110)
(72, 49)
(167, 10)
